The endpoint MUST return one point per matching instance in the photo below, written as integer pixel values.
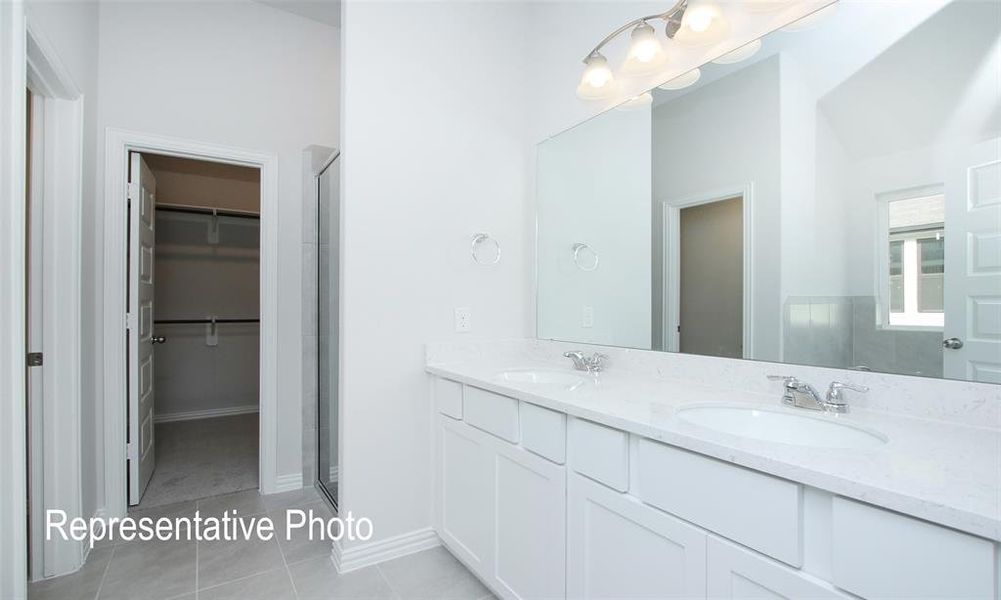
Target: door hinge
(34, 359)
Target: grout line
(104, 575)
(288, 572)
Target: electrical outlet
(463, 319)
(587, 317)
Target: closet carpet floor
(202, 458)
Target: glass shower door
(328, 298)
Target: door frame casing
(672, 261)
(118, 144)
(55, 472)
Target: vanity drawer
(601, 453)
(544, 432)
(751, 508)
(448, 397)
(491, 412)
(882, 554)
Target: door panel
(142, 445)
(973, 265)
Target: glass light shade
(703, 24)
(597, 82)
(743, 53)
(811, 20)
(682, 81)
(646, 53)
(638, 103)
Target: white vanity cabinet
(500, 507)
(544, 505)
(618, 547)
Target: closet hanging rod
(206, 210)
(196, 321)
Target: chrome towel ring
(578, 249)
(480, 240)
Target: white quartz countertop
(943, 472)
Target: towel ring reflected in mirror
(483, 240)
(584, 265)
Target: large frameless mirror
(833, 199)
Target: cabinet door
(739, 573)
(467, 483)
(619, 547)
(530, 504)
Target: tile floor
(274, 570)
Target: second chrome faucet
(803, 395)
(591, 364)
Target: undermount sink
(541, 376)
(782, 427)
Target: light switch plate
(463, 319)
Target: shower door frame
(332, 499)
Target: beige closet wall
(195, 278)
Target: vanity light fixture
(704, 24)
(743, 53)
(646, 52)
(682, 81)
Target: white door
(141, 457)
(618, 547)
(972, 334)
(740, 574)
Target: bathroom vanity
(551, 483)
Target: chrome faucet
(591, 364)
(800, 394)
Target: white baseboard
(288, 483)
(206, 414)
(364, 555)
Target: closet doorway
(194, 339)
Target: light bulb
(645, 46)
(703, 24)
(638, 103)
(646, 54)
(682, 81)
(700, 18)
(597, 80)
(743, 53)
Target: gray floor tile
(150, 570)
(224, 561)
(316, 578)
(294, 499)
(246, 503)
(82, 584)
(300, 547)
(433, 573)
(270, 585)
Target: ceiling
(327, 12)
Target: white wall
(436, 148)
(593, 187)
(240, 74)
(72, 30)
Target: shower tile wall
(841, 331)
